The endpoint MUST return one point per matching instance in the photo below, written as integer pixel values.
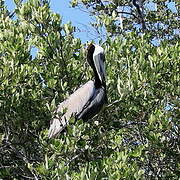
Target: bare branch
(140, 14)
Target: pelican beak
(100, 67)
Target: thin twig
(75, 157)
(124, 12)
(109, 105)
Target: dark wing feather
(94, 105)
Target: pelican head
(96, 59)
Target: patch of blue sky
(34, 52)
(10, 5)
(160, 25)
(137, 26)
(126, 9)
(176, 31)
(169, 107)
(79, 18)
(151, 6)
(172, 6)
(156, 41)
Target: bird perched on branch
(86, 101)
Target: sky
(78, 17)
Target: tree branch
(140, 14)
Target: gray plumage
(86, 101)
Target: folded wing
(71, 106)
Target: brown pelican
(86, 101)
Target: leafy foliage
(158, 18)
(136, 136)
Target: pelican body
(86, 101)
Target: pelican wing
(71, 106)
(94, 105)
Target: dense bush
(136, 136)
